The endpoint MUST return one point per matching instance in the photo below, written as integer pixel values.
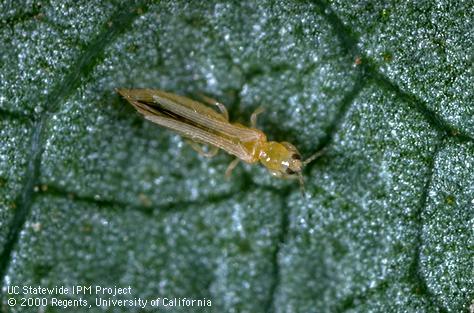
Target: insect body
(202, 124)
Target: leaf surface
(91, 194)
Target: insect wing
(191, 110)
(200, 135)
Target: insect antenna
(306, 162)
(301, 180)
(313, 157)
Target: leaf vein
(349, 43)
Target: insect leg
(209, 154)
(253, 117)
(219, 105)
(231, 166)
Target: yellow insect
(202, 124)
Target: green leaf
(93, 195)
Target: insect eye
(289, 171)
(296, 156)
